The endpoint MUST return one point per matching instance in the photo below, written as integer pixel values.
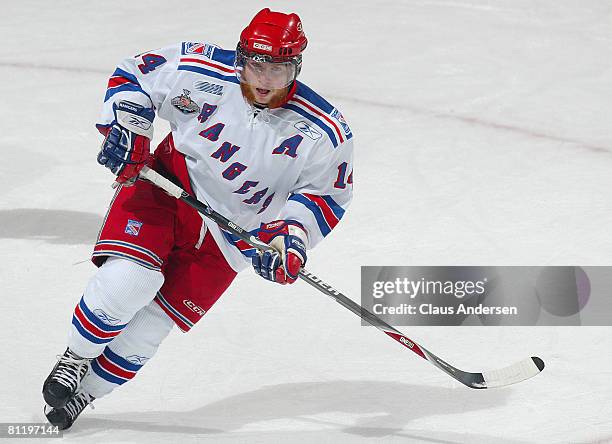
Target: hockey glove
(125, 149)
(288, 240)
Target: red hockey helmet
(275, 34)
(272, 38)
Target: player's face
(268, 75)
(268, 81)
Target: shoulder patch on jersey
(308, 129)
(340, 118)
(204, 49)
(219, 66)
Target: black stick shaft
(510, 375)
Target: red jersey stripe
(328, 214)
(319, 113)
(204, 62)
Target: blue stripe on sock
(86, 334)
(97, 321)
(119, 361)
(104, 374)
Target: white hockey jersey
(294, 162)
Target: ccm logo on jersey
(262, 47)
(193, 307)
(307, 129)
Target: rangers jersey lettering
(293, 162)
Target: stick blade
(514, 373)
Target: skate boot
(65, 378)
(64, 417)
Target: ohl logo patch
(133, 227)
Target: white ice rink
(482, 138)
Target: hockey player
(248, 139)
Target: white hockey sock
(126, 354)
(113, 295)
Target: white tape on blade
(511, 375)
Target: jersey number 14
(151, 62)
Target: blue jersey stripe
(131, 77)
(314, 120)
(224, 56)
(336, 209)
(249, 253)
(110, 92)
(304, 92)
(308, 94)
(208, 73)
(232, 238)
(318, 214)
(133, 247)
(113, 253)
(133, 86)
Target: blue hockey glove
(288, 239)
(125, 149)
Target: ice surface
(482, 138)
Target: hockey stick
(512, 374)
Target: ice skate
(65, 378)
(65, 416)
